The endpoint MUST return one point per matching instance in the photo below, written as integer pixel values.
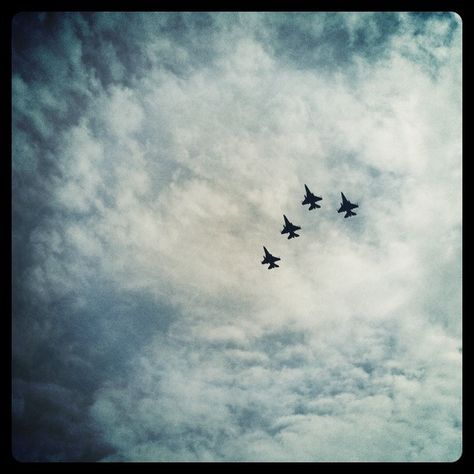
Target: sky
(154, 155)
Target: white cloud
(180, 181)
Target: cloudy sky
(154, 155)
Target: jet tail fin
(273, 265)
(350, 213)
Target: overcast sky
(154, 155)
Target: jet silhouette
(347, 206)
(269, 258)
(289, 228)
(311, 199)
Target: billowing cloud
(154, 155)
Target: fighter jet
(289, 228)
(269, 258)
(311, 199)
(347, 206)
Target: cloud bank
(154, 155)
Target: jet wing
(269, 258)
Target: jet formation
(290, 229)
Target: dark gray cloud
(143, 145)
(51, 424)
(61, 356)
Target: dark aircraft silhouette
(289, 228)
(269, 258)
(311, 199)
(347, 206)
